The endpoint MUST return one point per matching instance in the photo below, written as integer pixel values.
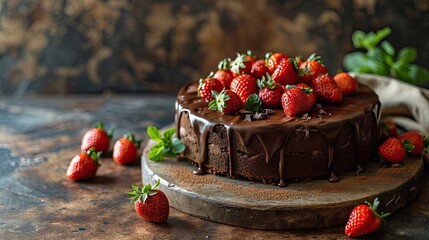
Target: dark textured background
(90, 46)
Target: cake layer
(331, 140)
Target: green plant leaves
(167, 144)
(253, 103)
(382, 59)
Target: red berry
(286, 72)
(346, 83)
(244, 85)
(312, 68)
(326, 89)
(224, 73)
(392, 150)
(227, 102)
(151, 204)
(295, 101)
(364, 219)
(273, 60)
(242, 64)
(388, 129)
(271, 98)
(97, 137)
(259, 69)
(84, 165)
(125, 149)
(206, 86)
(311, 95)
(415, 139)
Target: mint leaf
(362, 63)
(168, 145)
(156, 153)
(407, 55)
(154, 133)
(388, 48)
(412, 74)
(358, 39)
(177, 146)
(169, 133)
(253, 103)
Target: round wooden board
(316, 204)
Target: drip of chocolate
(358, 111)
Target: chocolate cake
(330, 140)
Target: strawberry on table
(270, 92)
(345, 82)
(227, 102)
(84, 165)
(273, 60)
(125, 149)
(364, 219)
(150, 203)
(296, 101)
(224, 73)
(311, 68)
(326, 89)
(286, 72)
(416, 140)
(244, 85)
(97, 137)
(207, 85)
(393, 150)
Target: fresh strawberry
(415, 139)
(151, 204)
(326, 89)
(227, 102)
(388, 129)
(207, 85)
(224, 73)
(295, 101)
(244, 85)
(311, 68)
(97, 137)
(270, 92)
(364, 219)
(242, 64)
(125, 149)
(346, 83)
(84, 165)
(259, 69)
(286, 72)
(392, 150)
(273, 60)
(311, 94)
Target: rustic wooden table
(40, 135)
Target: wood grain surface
(40, 135)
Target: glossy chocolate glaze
(360, 111)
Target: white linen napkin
(394, 93)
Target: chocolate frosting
(274, 132)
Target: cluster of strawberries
(149, 203)
(96, 141)
(395, 147)
(364, 218)
(279, 81)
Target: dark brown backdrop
(82, 46)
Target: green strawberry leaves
(381, 58)
(167, 144)
(142, 193)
